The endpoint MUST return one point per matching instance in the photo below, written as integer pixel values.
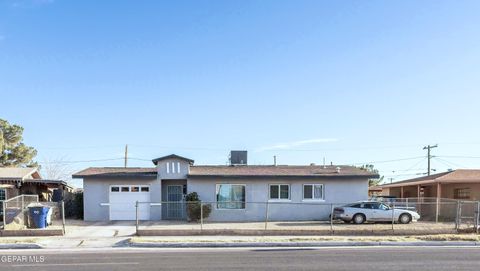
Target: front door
(175, 205)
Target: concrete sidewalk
(74, 242)
(80, 234)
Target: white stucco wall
(257, 193)
(96, 191)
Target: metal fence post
(4, 216)
(331, 218)
(136, 217)
(478, 217)
(457, 216)
(266, 215)
(393, 216)
(201, 216)
(63, 217)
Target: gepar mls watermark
(22, 259)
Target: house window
(178, 167)
(280, 191)
(168, 168)
(145, 189)
(125, 189)
(230, 196)
(135, 189)
(115, 189)
(3, 194)
(313, 192)
(461, 193)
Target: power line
(388, 161)
(450, 163)
(457, 156)
(80, 161)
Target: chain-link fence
(427, 216)
(27, 212)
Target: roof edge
(156, 160)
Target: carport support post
(136, 217)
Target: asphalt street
(355, 258)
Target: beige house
(460, 184)
(15, 181)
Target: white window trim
(226, 209)
(129, 188)
(279, 199)
(178, 167)
(313, 199)
(168, 167)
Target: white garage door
(123, 199)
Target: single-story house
(16, 181)
(460, 184)
(236, 192)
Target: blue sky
(351, 81)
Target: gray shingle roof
(115, 171)
(300, 171)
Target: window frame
(458, 193)
(217, 187)
(279, 192)
(4, 193)
(313, 192)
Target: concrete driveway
(104, 229)
(81, 234)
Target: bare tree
(56, 169)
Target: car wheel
(358, 219)
(404, 219)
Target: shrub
(194, 207)
(74, 206)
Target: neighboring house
(461, 184)
(17, 181)
(237, 192)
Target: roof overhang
(203, 176)
(115, 175)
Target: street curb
(304, 244)
(20, 246)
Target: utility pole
(428, 148)
(126, 155)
